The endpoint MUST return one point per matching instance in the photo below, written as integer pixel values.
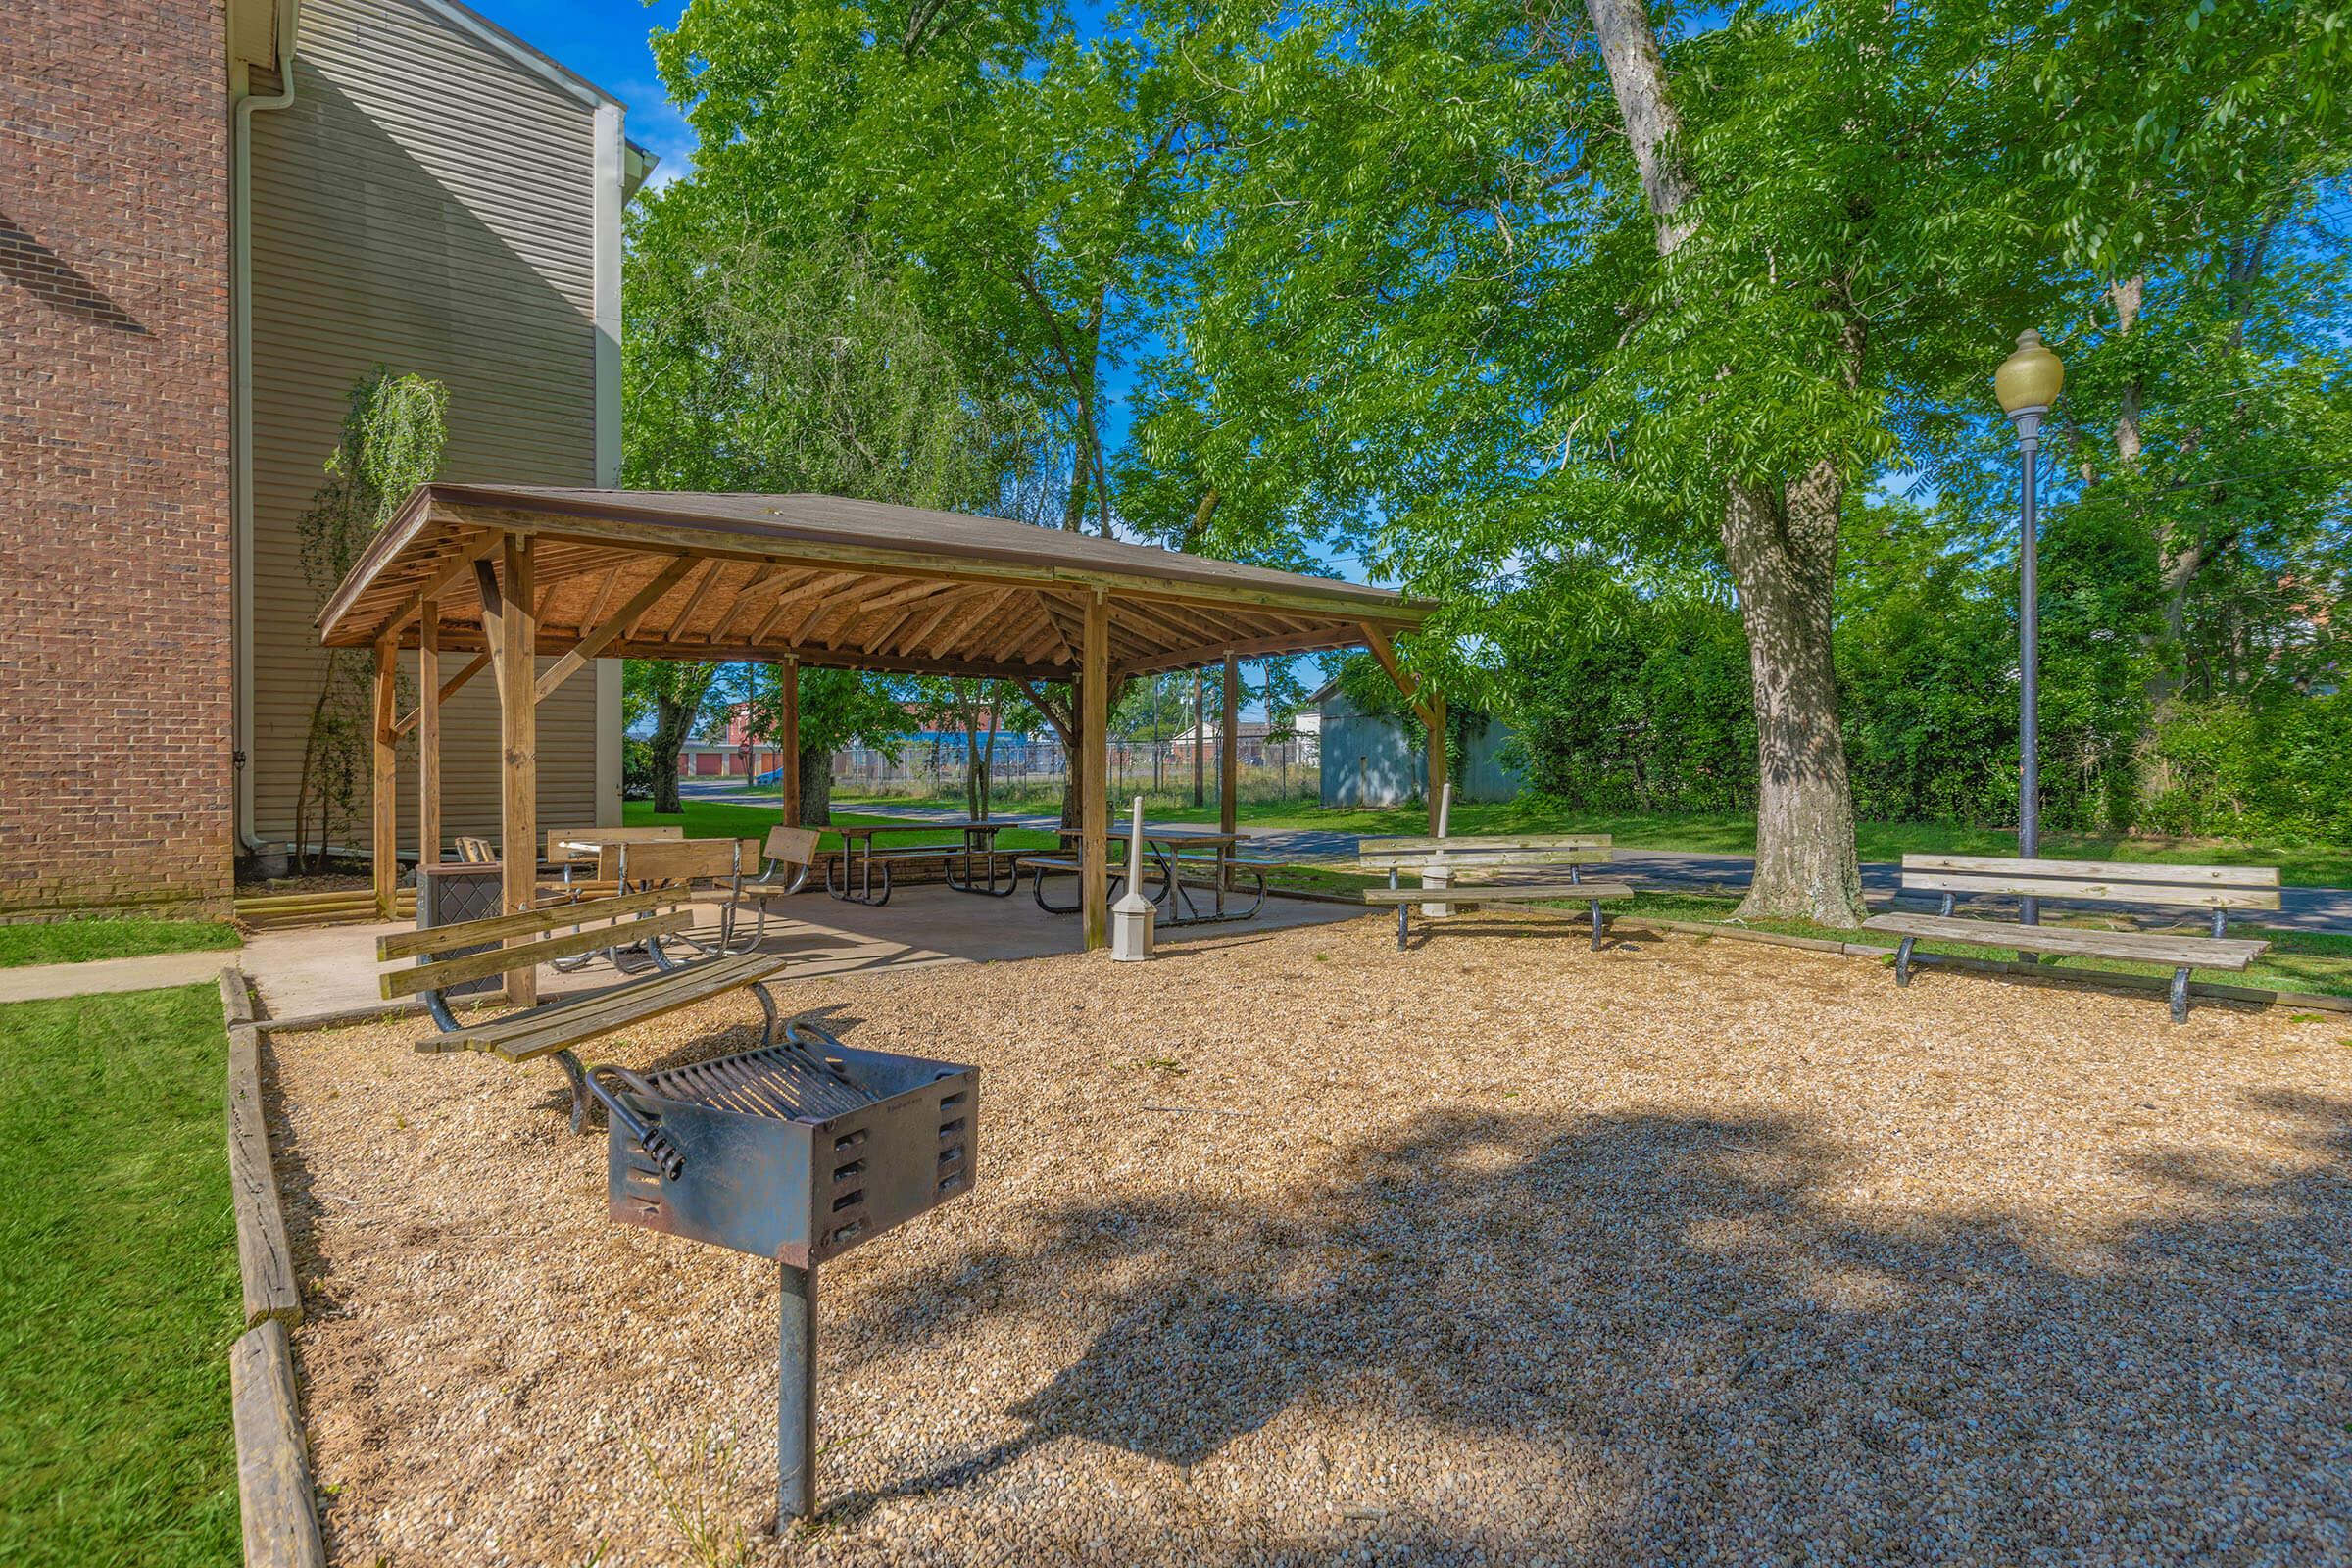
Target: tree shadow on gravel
(1683, 1320)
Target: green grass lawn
(119, 1295)
(81, 941)
(2301, 865)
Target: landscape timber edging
(276, 1504)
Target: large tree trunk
(1783, 551)
(671, 721)
(816, 786)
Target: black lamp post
(2027, 384)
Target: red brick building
(116, 591)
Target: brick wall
(115, 785)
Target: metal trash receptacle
(453, 892)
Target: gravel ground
(1493, 1252)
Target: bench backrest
(624, 918)
(1500, 852)
(557, 837)
(475, 851)
(794, 846)
(675, 860)
(2203, 887)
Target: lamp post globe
(2026, 386)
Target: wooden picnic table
(1170, 849)
(683, 860)
(859, 857)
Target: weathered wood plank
(264, 1258)
(528, 922)
(2143, 947)
(1500, 893)
(557, 837)
(275, 1502)
(673, 859)
(1481, 859)
(525, 1037)
(2202, 897)
(510, 960)
(2227, 876)
(1460, 844)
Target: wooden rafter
(980, 607)
(816, 588)
(595, 642)
(604, 593)
(684, 618)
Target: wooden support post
(1199, 740)
(1094, 750)
(1435, 716)
(383, 834)
(518, 745)
(428, 735)
(1229, 749)
(787, 738)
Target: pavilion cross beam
(449, 688)
(1386, 652)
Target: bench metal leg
(1595, 922)
(768, 1007)
(1404, 916)
(2180, 996)
(1902, 961)
(578, 1077)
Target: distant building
(1259, 743)
(1369, 759)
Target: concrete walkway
(1669, 870)
(149, 971)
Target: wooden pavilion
(506, 576)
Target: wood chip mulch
(1290, 1249)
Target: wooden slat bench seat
(554, 1028)
(2213, 889)
(576, 1020)
(1526, 862)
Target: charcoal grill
(797, 1151)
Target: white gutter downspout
(612, 173)
(240, 400)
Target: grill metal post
(796, 1395)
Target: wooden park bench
(1524, 863)
(555, 1028)
(2216, 889)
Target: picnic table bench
(2215, 889)
(555, 1028)
(1440, 860)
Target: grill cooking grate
(778, 1081)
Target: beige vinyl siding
(428, 204)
